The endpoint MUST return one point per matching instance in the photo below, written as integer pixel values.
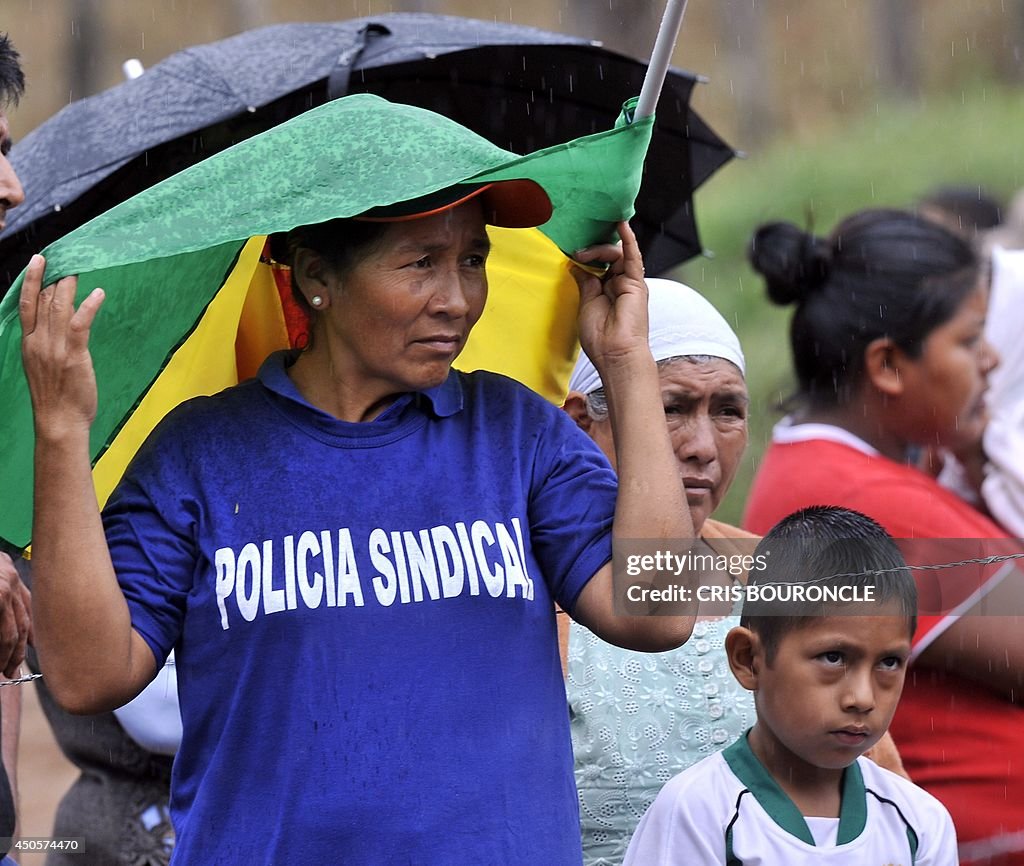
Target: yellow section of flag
(528, 329)
(204, 364)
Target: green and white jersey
(728, 810)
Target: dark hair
(825, 546)
(12, 79)
(881, 273)
(967, 210)
(341, 242)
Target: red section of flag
(296, 319)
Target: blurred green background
(889, 157)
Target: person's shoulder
(907, 502)
(813, 457)
(513, 406)
(688, 819)
(923, 811)
(208, 414)
(497, 385)
(702, 787)
(796, 474)
(911, 504)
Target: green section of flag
(162, 255)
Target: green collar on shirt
(853, 807)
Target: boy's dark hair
(12, 78)
(826, 547)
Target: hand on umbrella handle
(55, 352)
(613, 307)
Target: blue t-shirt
(363, 620)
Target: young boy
(824, 650)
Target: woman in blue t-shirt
(355, 555)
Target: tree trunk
(744, 35)
(87, 48)
(896, 43)
(247, 15)
(626, 26)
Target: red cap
(512, 204)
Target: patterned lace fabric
(638, 719)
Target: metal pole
(661, 57)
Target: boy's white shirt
(686, 825)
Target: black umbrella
(521, 87)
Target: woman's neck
(320, 386)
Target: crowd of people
(827, 700)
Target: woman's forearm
(651, 503)
(651, 513)
(651, 507)
(88, 652)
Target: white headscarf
(682, 322)
(1003, 488)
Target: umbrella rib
(225, 88)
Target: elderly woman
(355, 555)
(637, 720)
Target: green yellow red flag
(193, 304)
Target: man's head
(824, 642)
(12, 85)
(12, 79)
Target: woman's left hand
(55, 353)
(613, 307)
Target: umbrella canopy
(180, 262)
(521, 88)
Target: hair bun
(793, 262)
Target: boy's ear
(575, 406)
(743, 649)
(882, 362)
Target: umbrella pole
(661, 56)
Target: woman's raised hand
(55, 352)
(613, 307)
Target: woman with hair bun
(891, 362)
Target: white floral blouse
(638, 719)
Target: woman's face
(943, 395)
(706, 407)
(398, 319)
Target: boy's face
(831, 689)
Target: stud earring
(316, 301)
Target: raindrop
(132, 68)
(56, 208)
(251, 109)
